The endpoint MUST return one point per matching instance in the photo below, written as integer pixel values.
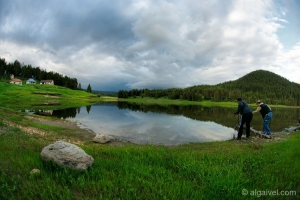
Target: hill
(18, 97)
(264, 85)
(24, 72)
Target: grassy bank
(205, 103)
(37, 96)
(25, 96)
(166, 101)
(214, 170)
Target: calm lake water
(168, 125)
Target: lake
(167, 125)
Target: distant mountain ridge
(260, 84)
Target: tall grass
(217, 170)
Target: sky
(133, 44)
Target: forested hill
(24, 72)
(264, 85)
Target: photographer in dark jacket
(247, 115)
(266, 114)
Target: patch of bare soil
(53, 122)
(29, 130)
(257, 139)
(51, 96)
(72, 127)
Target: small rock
(35, 172)
(101, 138)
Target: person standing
(266, 114)
(247, 115)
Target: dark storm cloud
(147, 44)
(57, 24)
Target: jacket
(243, 108)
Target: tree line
(27, 71)
(217, 114)
(264, 85)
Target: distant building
(30, 81)
(15, 81)
(11, 76)
(48, 82)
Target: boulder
(292, 129)
(67, 155)
(101, 138)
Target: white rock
(35, 171)
(67, 155)
(101, 138)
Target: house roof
(15, 80)
(31, 79)
(46, 80)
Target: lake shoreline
(82, 130)
(150, 170)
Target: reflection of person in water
(266, 114)
(247, 115)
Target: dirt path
(84, 134)
(59, 123)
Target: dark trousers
(246, 118)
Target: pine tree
(89, 89)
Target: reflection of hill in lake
(282, 118)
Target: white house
(15, 81)
(49, 82)
(30, 81)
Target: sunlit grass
(20, 97)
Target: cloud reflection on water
(150, 127)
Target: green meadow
(205, 103)
(246, 169)
(40, 96)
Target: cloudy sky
(125, 44)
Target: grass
(205, 103)
(19, 97)
(166, 101)
(214, 170)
